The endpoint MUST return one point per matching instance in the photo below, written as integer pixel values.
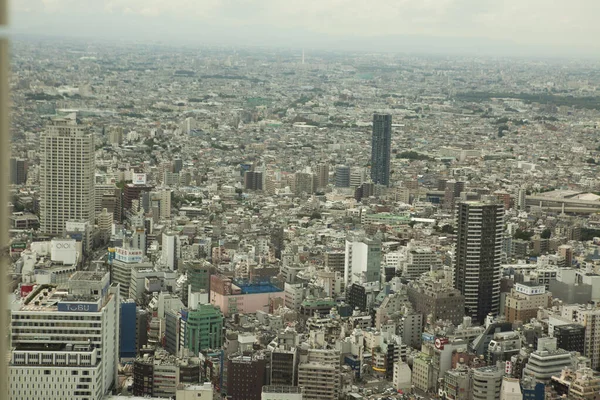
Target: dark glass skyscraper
(381, 145)
(478, 254)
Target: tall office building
(203, 328)
(381, 145)
(342, 176)
(65, 340)
(322, 172)
(253, 180)
(522, 199)
(452, 192)
(362, 262)
(478, 256)
(115, 135)
(304, 183)
(66, 176)
(18, 171)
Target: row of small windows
(52, 317)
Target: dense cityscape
(293, 224)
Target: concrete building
(486, 383)
(402, 378)
(203, 328)
(126, 260)
(203, 391)
(66, 176)
(588, 317)
(570, 337)
(358, 176)
(115, 135)
(419, 260)
(253, 180)
(18, 171)
(435, 297)
(170, 250)
(246, 377)
(319, 374)
(363, 261)
(478, 257)
(284, 367)
(334, 260)
(78, 357)
(342, 176)
(105, 221)
(585, 386)
(547, 361)
(322, 175)
(237, 297)
(457, 384)
(279, 392)
(422, 372)
(452, 192)
(510, 389)
(304, 183)
(524, 301)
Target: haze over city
(511, 27)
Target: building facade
(66, 176)
(478, 256)
(381, 145)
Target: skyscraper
(342, 176)
(66, 175)
(478, 255)
(322, 172)
(381, 145)
(18, 171)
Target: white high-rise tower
(66, 175)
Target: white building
(363, 261)
(65, 343)
(281, 393)
(402, 379)
(66, 176)
(171, 250)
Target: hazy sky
(520, 26)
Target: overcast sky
(507, 26)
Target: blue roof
(252, 288)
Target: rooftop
(254, 288)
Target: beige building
(66, 175)
(589, 317)
(586, 385)
(319, 374)
(422, 372)
(525, 300)
(203, 391)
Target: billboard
(26, 289)
(427, 337)
(128, 255)
(17, 247)
(139, 179)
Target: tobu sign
(77, 307)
